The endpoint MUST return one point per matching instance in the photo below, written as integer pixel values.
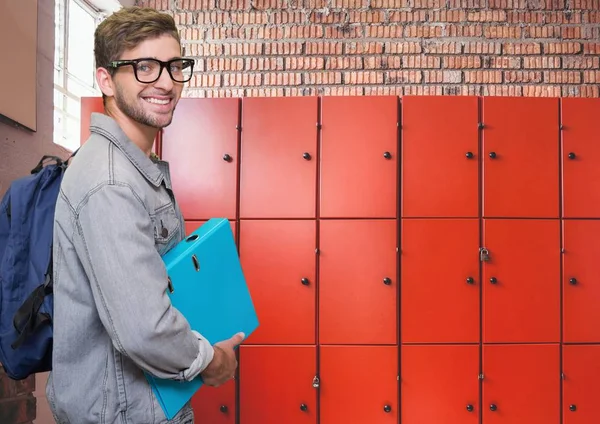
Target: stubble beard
(136, 112)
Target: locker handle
(573, 281)
(387, 155)
(303, 407)
(469, 155)
(493, 280)
(470, 408)
(227, 157)
(493, 407)
(305, 281)
(571, 155)
(493, 155)
(470, 280)
(223, 409)
(387, 408)
(387, 281)
(306, 156)
(573, 408)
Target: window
(74, 68)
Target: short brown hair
(128, 27)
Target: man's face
(149, 104)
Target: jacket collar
(107, 127)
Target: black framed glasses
(148, 70)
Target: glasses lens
(147, 70)
(181, 70)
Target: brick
(562, 48)
(423, 31)
(367, 17)
(282, 78)
(421, 62)
(541, 91)
(461, 62)
(206, 80)
(522, 48)
(237, 4)
(562, 77)
(478, 47)
(580, 62)
(400, 47)
(455, 30)
(496, 31)
(403, 77)
(243, 49)
(352, 62)
(390, 4)
(304, 63)
(344, 31)
(570, 32)
(327, 17)
(504, 62)
(545, 31)
(384, 31)
(407, 16)
(263, 64)
(283, 48)
(323, 78)
(522, 76)
(541, 62)
(323, 48)
(302, 32)
(243, 80)
(447, 16)
(591, 48)
(350, 4)
(520, 17)
(591, 17)
(279, 17)
(363, 48)
(225, 64)
(384, 91)
(442, 76)
(341, 91)
(383, 62)
(591, 77)
(363, 77)
(501, 90)
(483, 77)
(487, 16)
(440, 47)
(428, 4)
(423, 90)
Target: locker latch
(484, 254)
(315, 383)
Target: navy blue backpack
(26, 304)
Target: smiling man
(115, 216)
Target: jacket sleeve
(128, 280)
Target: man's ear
(105, 81)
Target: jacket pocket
(166, 228)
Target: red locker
(359, 384)
(359, 162)
(440, 156)
(521, 281)
(440, 287)
(276, 384)
(440, 384)
(580, 157)
(520, 157)
(201, 145)
(279, 262)
(581, 281)
(279, 157)
(357, 285)
(521, 384)
(581, 384)
(215, 405)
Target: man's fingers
(237, 339)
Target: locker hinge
(481, 376)
(316, 382)
(484, 254)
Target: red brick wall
(399, 47)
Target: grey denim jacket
(115, 216)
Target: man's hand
(222, 367)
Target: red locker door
(581, 385)
(201, 145)
(359, 384)
(520, 157)
(521, 384)
(581, 281)
(276, 385)
(521, 289)
(279, 157)
(580, 157)
(440, 143)
(279, 262)
(359, 145)
(215, 405)
(439, 384)
(357, 285)
(440, 281)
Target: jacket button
(164, 232)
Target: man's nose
(164, 81)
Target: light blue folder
(208, 287)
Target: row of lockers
(384, 157)
(450, 384)
(336, 281)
